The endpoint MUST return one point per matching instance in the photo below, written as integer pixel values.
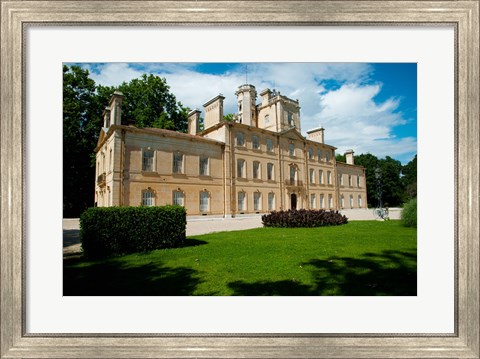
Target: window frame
(152, 160)
(241, 170)
(257, 201)
(257, 172)
(207, 172)
(200, 201)
(174, 197)
(179, 170)
(270, 171)
(149, 198)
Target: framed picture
(37, 37)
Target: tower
(247, 97)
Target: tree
(370, 162)
(409, 172)
(148, 103)
(229, 117)
(82, 109)
(393, 188)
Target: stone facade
(258, 163)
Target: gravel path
(202, 225)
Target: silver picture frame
(16, 16)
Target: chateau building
(255, 164)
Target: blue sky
(367, 107)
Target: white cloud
(351, 116)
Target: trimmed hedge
(303, 218)
(409, 213)
(106, 231)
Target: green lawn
(359, 258)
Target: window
(359, 201)
(147, 161)
(240, 139)
(291, 149)
(148, 198)
(241, 169)
(257, 201)
(350, 180)
(351, 201)
(204, 166)
(111, 160)
(327, 156)
(270, 171)
(319, 155)
(312, 175)
(271, 201)
(310, 154)
(204, 201)
(312, 201)
(241, 201)
(330, 201)
(256, 169)
(329, 177)
(320, 176)
(239, 107)
(267, 120)
(269, 145)
(293, 173)
(322, 201)
(342, 201)
(178, 198)
(177, 162)
(340, 179)
(358, 181)
(290, 118)
(255, 142)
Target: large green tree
(82, 109)
(409, 172)
(149, 103)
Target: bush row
(303, 218)
(409, 213)
(121, 230)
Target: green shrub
(106, 231)
(409, 213)
(303, 218)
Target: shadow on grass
(192, 242)
(392, 273)
(113, 278)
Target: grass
(359, 258)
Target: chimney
(349, 157)
(106, 117)
(213, 111)
(317, 135)
(266, 95)
(194, 122)
(116, 108)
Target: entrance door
(293, 201)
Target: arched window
(351, 201)
(342, 201)
(267, 120)
(359, 201)
(269, 145)
(256, 170)
(255, 142)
